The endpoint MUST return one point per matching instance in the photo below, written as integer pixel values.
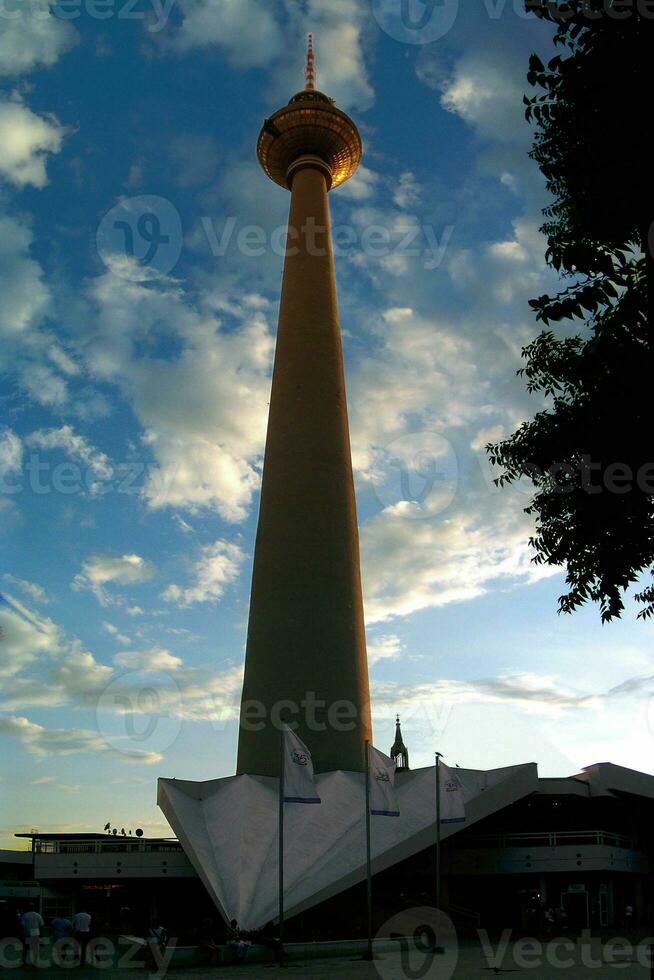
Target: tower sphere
(309, 126)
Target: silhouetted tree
(589, 453)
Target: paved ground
(552, 963)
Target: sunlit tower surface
(306, 651)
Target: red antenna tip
(310, 70)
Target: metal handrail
(554, 838)
(109, 846)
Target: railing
(458, 911)
(109, 846)
(550, 838)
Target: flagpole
(368, 955)
(438, 830)
(281, 846)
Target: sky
(141, 255)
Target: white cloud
(412, 561)
(245, 31)
(31, 36)
(25, 297)
(76, 447)
(26, 637)
(44, 742)
(362, 186)
(407, 192)
(115, 632)
(11, 454)
(387, 647)
(203, 412)
(154, 659)
(338, 28)
(217, 567)
(101, 570)
(34, 591)
(26, 141)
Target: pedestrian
(236, 942)
(61, 928)
(157, 941)
(82, 933)
(31, 925)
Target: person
(271, 940)
(82, 933)
(61, 928)
(236, 942)
(31, 925)
(157, 940)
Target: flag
(452, 805)
(299, 786)
(381, 774)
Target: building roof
(228, 829)
(35, 835)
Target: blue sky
(135, 395)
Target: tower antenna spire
(310, 69)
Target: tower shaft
(306, 654)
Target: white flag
(382, 780)
(452, 805)
(299, 786)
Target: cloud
(25, 296)
(26, 637)
(34, 591)
(387, 647)
(44, 742)
(244, 31)
(216, 568)
(101, 570)
(154, 659)
(115, 632)
(204, 411)
(76, 447)
(11, 454)
(407, 192)
(338, 27)
(532, 693)
(31, 36)
(412, 562)
(26, 140)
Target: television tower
(306, 650)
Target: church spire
(399, 751)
